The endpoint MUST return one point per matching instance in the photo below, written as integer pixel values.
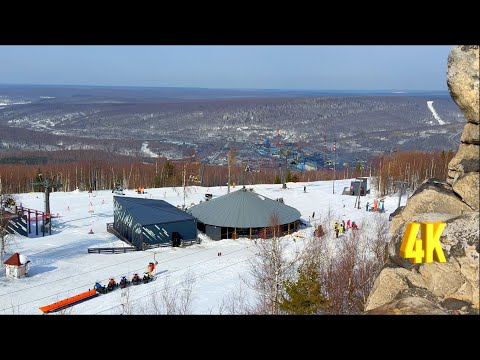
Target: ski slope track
(434, 113)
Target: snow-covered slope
(61, 266)
(434, 113)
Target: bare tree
(171, 300)
(185, 303)
(168, 295)
(269, 269)
(66, 311)
(235, 302)
(125, 301)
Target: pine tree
(304, 296)
(289, 176)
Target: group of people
(341, 227)
(377, 206)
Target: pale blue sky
(252, 67)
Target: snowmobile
(136, 279)
(124, 283)
(112, 286)
(147, 278)
(100, 289)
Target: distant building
(147, 222)
(244, 213)
(308, 166)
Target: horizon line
(216, 88)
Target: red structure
(59, 305)
(46, 219)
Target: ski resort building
(244, 213)
(145, 222)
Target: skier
(304, 189)
(348, 224)
(313, 215)
(367, 205)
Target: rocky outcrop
(409, 306)
(455, 280)
(432, 196)
(467, 186)
(463, 83)
(463, 79)
(470, 134)
(451, 287)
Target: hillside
(170, 123)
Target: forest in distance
(89, 169)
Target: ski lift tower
(334, 163)
(48, 185)
(403, 185)
(285, 152)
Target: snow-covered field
(61, 266)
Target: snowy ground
(61, 266)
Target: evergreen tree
(289, 176)
(38, 178)
(277, 180)
(304, 296)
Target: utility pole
(2, 224)
(285, 152)
(202, 171)
(357, 200)
(228, 161)
(334, 163)
(184, 184)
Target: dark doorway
(176, 239)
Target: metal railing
(117, 250)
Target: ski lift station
(358, 183)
